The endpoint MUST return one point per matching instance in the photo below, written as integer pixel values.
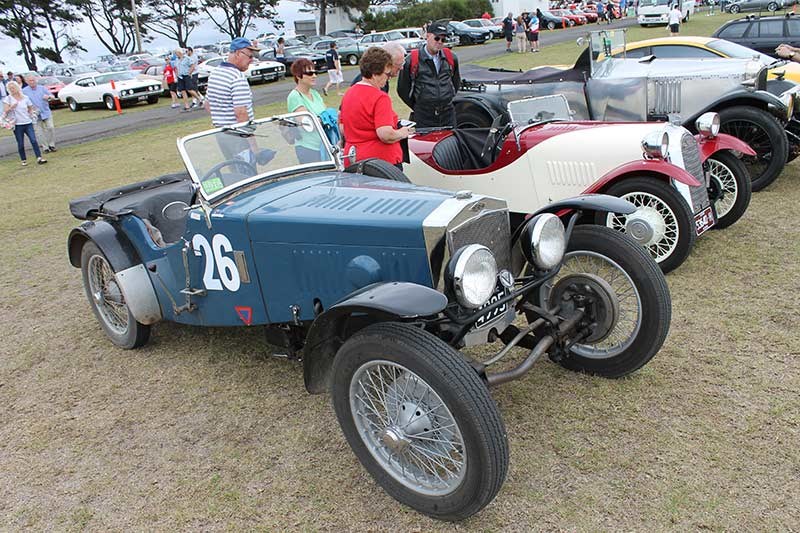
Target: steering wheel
(216, 169)
(495, 137)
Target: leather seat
(447, 154)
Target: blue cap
(240, 43)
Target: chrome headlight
(473, 273)
(656, 145)
(707, 125)
(788, 101)
(547, 239)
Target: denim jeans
(20, 130)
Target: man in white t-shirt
(675, 17)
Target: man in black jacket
(428, 83)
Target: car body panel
(92, 88)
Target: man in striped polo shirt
(228, 96)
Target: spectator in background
(674, 22)
(508, 30)
(398, 54)
(43, 126)
(533, 32)
(198, 98)
(369, 122)
(601, 12)
(9, 77)
(185, 85)
(22, 109)
(522, 37)
(280, 50)
(20, 80)
(334, 65)
(171, 81)
(230, 99)
(3, 91)
(305, 98)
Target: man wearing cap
(429, 84)
(229, 97)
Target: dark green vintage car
(350, 51)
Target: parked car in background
(549, 21)
(589, 15)
(66, 71)
(346, 33)
(54, 85)
(656, 12)
(383, 37)
(762, 34)
(156, 73)
(142, 64)
(467, 34)
(738, 6)
(258, 70)
(293, 53)
(95, 89)
(572, 19)
(495, 30)
(450, 41)
(349, 50)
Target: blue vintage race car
(376, 284)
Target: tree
(174, 20)
(322, 7)
(417, 14)
(235, 17)
(27, 21)
(112, 22)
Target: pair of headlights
(656, 144)
(472, 271)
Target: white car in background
(95, 88)
(495, 30)
(450, 40)
(384, 37)
(259, 70)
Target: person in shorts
(334, 66)
(675, 17)
(185, 81)
(172, 83)
(533, 32)
(508, 30)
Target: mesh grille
(491, 229)
(693, 165)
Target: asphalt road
(262, 94)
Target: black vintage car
(292, 54)
(467, 34)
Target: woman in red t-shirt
(368, 120)
(169, 79)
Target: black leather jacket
(429, 91)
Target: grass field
(203, 430)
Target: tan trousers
(522, 42)
(45, 132)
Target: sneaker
(174, 106)
(53, 149)
(194, 104)
(187, 109)
(536, 50)
(46, 150)
(24, 163)
(41, 161)
(325, 91)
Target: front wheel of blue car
(107, 301)
(420, 420)
(637, 292)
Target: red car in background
(53, 85)
(143, 63)
(590, 17)
(592, 8)
(572, 19)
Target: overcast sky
(288, 11)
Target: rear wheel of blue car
(766, 137)
(662, 224)
(420, 420)
(633, 309)
(729, 188)
(107, 301)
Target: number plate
(142, 98)
(704, 220)
(494, 313)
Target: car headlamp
(656, 145)
(788, 101)
(473, 275)
(544, 241)
(707, 125)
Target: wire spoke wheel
(759, 141)
(653, 225)
(407, 428)
(107, 295)
(725, 182)
(629, 321)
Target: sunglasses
(439, 38)
(246, 54)
(309, 73)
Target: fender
(709, 146)
(589, 202)
(760, 99)
(131, 274)
(657, 167)
(381, 301)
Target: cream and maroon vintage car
(535, 154)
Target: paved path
(262, 94)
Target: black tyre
(73, 105)
(570, 23)
(108, 302)
(729, 178)
(378, 168)
(472, 116)
(551, 25)
(772, 6)
(108, 101)
(420, 420)
(663, 223)
(352, 59)
(764, 134)
(644, 307)
(735, 9)
(152, 99)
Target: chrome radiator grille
(491, 229)
(693, 165)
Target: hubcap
(653, 224)
(407, 428)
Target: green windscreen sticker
(213, 185)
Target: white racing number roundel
(217, 262)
